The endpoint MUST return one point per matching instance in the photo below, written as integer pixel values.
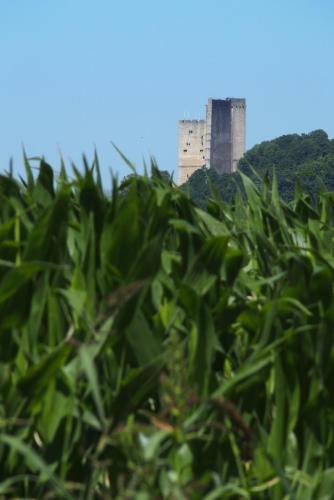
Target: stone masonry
(217, 142)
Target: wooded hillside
(305, 161)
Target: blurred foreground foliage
(151, 350)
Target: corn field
(153, 350)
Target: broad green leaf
(89, 368)
(40, 375)
(145, 345)
(36, 463)
(15, 278)
(203, 350)
(48, 234)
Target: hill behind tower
(304, 159)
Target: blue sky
(79, 73)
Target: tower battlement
(217, 142)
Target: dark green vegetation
(150, 349)
(305, 161)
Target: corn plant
(150, 349)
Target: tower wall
(219, 135)
(191, 148)
(238, 119)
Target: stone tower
(217, 142)
(192, 144)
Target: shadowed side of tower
(225, 134)
(219, 135)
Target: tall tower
(225, 133)
(217, 142)
(191, 148)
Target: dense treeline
(305, 161)
(150, 349)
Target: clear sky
(75, 73)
